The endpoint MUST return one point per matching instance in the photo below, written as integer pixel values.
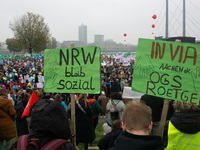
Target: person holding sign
(84, 125)
(137, 125)
(183, 130)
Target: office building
(98, 38)
(82, 33)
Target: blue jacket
(64, 105)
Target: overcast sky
(111, 18)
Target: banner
(121, 75)
(168, 69)
(72, 70)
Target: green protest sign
(168, 69)
(72, 70)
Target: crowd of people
(131, 126)
(19, 73)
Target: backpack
(49, 118)
(22, 143)
(114, 113)
(19, 114)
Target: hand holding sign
(51, 77)
(145, 70)
(51, 63)
(196, 79)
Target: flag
(31, 101)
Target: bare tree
(52, 43)
(31, 31)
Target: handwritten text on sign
(168, 69)
(72, 70)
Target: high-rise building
(82, 33)
(98, 38)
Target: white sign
(39, 85)
(129, 93)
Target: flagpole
(73, 119)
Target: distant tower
(82, 33)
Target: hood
(19, 105)
(186, 121)
(91, 101)
(3, 101)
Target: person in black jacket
(108, 84)
(36, 76)
(84, 125)
(137, 125)
(156, 105)
(114, 86)
(22, 125)
(109, 139)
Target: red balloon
(125, 45)
(125, 34)
(154, 36)
(152, 33)
(124, 40)
(129, 52)
(154, 16)
(153, 25)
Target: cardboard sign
(168, 69)
(72, 70)
(121, 75)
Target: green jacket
(96, 108)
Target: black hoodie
(128, 141)
(109, 139)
